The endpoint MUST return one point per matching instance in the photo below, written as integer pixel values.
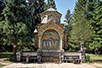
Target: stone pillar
(60, 43)
(39, 42)
(39, 50)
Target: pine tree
(16, 27)
(36, 7)
(68, 27)
(81, 30)
(2, 6)
(96, 22)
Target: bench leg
(74, 61)
(23, 60)
(78, 61)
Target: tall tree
(35, 7)
(16, 25)
(81, 30)
(2, 6)
(68, 27)
(96, 22)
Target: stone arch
(50, 40)
(51, 17)
(54, 17)
(51, 28)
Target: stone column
(39, 42)
(60, 43)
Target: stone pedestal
(19, 56)
(82, 56)
(39, 55)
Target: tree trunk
(15, 47)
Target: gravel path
(49, 65)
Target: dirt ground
(49, 65)
(97, 64)
(5, 61)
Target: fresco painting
(50, 40)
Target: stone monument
(50, 36)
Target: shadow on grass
(100, 61)
(5, 55)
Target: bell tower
(50, 14)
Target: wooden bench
(30, 55)
(74, 59)
(53, 56)
(33, 58)
(72, 56)
(23, 58)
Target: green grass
(5, 54)
(95, 58)
(1, 65)
(4, 58)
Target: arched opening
(43, 19)
(54, 18)
(50, 40)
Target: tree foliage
(81, 30)
(96, 22)
(51, 3)
(87, 23)
(16, 24)
(35, 7)
(68, 27)
(2, 6)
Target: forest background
(19, 18)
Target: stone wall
(36, 41)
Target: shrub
(12, 58)
(87, 59)
(25, 49)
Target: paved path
(49, 65)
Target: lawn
(1, 65)
(4, 58)
(95, 58)
(5, 54)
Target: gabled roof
(47, 24)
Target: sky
(63, 5)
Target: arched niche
(43, 19)
(50, 40)
(54, 18)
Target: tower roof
(50, 10)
